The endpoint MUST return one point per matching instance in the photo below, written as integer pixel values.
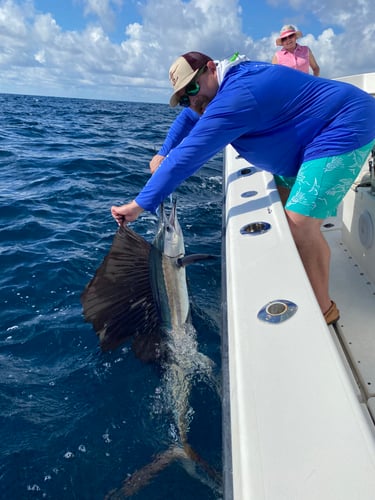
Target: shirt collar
(298, 46)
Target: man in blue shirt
(313, 134)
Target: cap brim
(173, 101)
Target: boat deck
(353, 289)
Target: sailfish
(140, 293)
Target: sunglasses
(191, 89)
(289, 37)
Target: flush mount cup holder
(245, 171)
(277, 311)
(255, 228)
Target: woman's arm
(313, 64)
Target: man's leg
(317, 192)
(284, 193)
(314, 252)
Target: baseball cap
(183, 70)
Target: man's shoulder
(248, 68)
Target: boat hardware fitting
(277, 311)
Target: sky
(122, 49)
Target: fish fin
(142, 477)
(148, 348)
(195, 257)
(210, 471)
(118, 301)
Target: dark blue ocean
(74, 422)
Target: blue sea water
(74, 422)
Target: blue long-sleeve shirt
(180, 128)
(276, 118)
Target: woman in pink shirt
(292, 54)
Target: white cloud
(38, 56)
(170, 26)
(351, 50)
(104, 10)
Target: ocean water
(74, 422)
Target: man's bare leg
(314, 252)
(283, 193)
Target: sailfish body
(168, 275)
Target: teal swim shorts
(321, 184)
